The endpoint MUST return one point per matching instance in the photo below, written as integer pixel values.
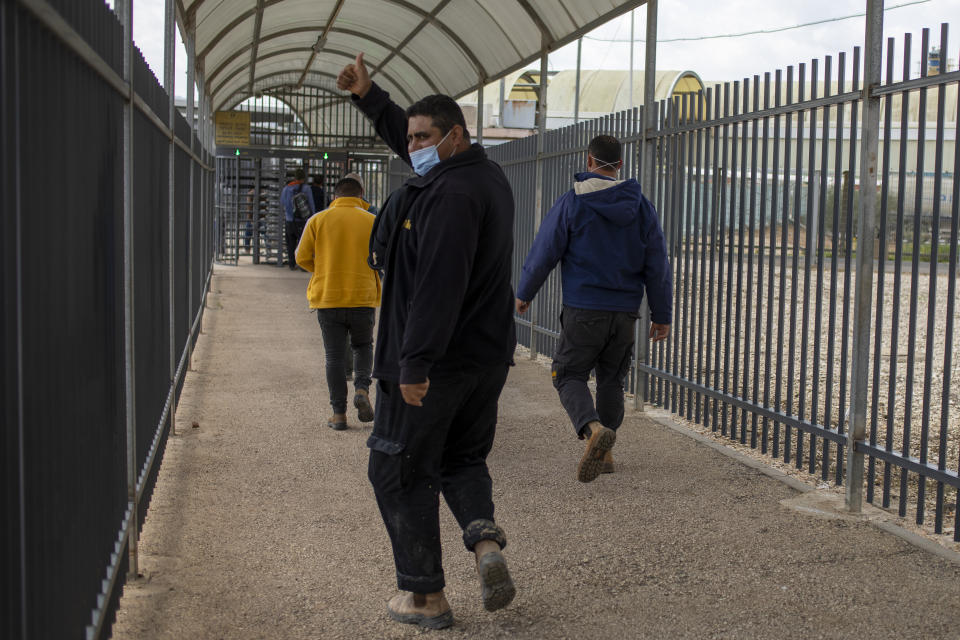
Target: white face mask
(606, 165)
(427, 158)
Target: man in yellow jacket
(345, 291)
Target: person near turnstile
(294, 219)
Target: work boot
(497, 588)
(361, 400)
(338, 422)
(599, 442)
(606, 465)
(429, 610)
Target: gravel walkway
(263, 524)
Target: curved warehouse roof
(413, 48)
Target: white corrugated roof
(412, 47)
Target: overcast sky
(713, 59)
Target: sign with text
(232, 128)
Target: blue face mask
(427, 158)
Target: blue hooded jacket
(609, 243)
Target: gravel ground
(263, 524)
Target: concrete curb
(875, 516)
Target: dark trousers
(340, 326)
(292, 232)
(592, 339)
(418, 452)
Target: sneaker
(349, 376)
(606, 465)
(361, 400)
(599, 443)
(434, 613)
(338, 422)
(495, 580)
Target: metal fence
(106, 264)
(758, 184)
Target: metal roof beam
(321, 41)
(256, 43)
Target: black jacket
(447, 301)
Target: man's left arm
(305, 248)
(656, 274)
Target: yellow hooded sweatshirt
(334, 248)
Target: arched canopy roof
(412, 47)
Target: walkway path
(263, 524)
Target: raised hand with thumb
(355, 78)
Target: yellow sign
(233, 128)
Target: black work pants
(418, 452)
(593, 339)
(346, 331)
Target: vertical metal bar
(883, 244)
(893, 388)
(795, 268)
(915, 270)
(728, 379)
(949, 328)
(538, 206)
(838, 191)
(125, 14)
(808, 245)
(576, 94)
(191, 80)
(864, 282)
(169, 83)
(693, 233)
(711, 408)
(847, 263)
(932, 296)
(630, 89)
(703, 155)
(741, 328)
(648, 150)
(773, 243)
(819, 207)
(753, 222)
(720, 316)
(784, 230)
(479, 114)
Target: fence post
(863, 288)
(191, 46)
(169, 83)
(125, 13)
(538, 206)
(648, 144)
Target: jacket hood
(616, 200)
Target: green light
(326, 155)
(238, 152)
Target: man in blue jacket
(609, 243)
(445, 340)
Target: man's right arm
(389, 120)
(548, 247)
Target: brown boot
(497, 589)
(599, 443)
(606, 465)
(338, 422)
(361, 400)
(429, 610)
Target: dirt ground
(263, 523)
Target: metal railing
(758, 184)
(107, 263)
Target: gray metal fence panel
(757, 186)
(68, 525)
